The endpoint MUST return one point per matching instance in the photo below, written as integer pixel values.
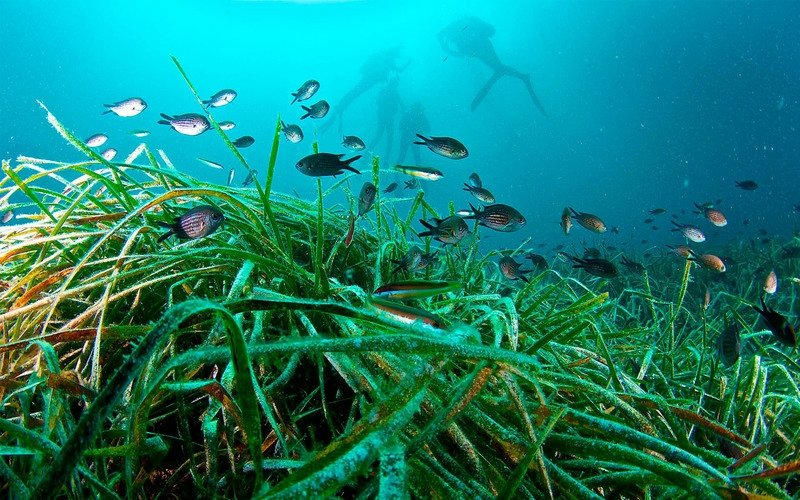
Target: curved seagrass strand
(89, 425)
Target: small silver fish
(353, 143)
(306, 91)
(7, 216)
(140, 133)
(221, 98)
(227, 125)
(316, 110)
(293, 133)
(109, 154)
(231, 174)
(210, 163)
(187, 124)
(445, 146)
(126, 108)
(96, 140)
(484, 195)
(511, 269)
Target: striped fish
(729, 345)
(445, 146)
(418, 289)
(499, 217)
(771, 283)
(482, 194)
(293, 133)
(511, 269)
(589, 221)
(406, 314)
(306, 91)
(196, 223)
(691, 232)
(366, 198)
(188, 124)
(316, 110)
(427, 173)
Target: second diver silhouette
(412, 121)
(388, 103)
(378, 68)
(470, 37)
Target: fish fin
(424, 140)
(348, 162)
(207, 102)
(308, 112)
(283, 125)
(573, 211)
(427, 224)
(294, 94)
(523, 278)
(170, 232)
(163, 122)
(166, 116)
(106, 111)
(467, 187)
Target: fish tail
(295, 94)
(163, 122)
(170, 232)
(424, 140)
(573, 211)
(106, 111)
(467, 187)
(346, 164)
(523, 278)
(166, 116)
(308, 112)
(283, 125)
(427, 224)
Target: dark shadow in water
(470, 37)
(412, 122)
(378, 68)
(387, 105)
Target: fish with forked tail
(324, 164)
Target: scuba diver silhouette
(412, 122)
(378, 68)
(470, 37)
(387, 104)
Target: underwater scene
(375, 249)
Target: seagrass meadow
(255, 363)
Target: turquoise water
(648, 104)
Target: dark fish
(777, 324)
(445, 146)
(448, 231)
(96, 140)
(316, 110)
(251, 176)
(729, 345)
(511, 269)
(293, 133)
(126, 108)
(591, 253)
(790, 253)
(499, 217)
(323, 164)
(353, 143)
(691, 232)
(409, 261)
(244, 141)
(589, 221)
(390, 188)
(597, 267)
(306, 91)
(747, 185)
(427, 259)
(221, 98)
(649, 220)
(566, 221)
(746, 222)
(657, 211)
(188, 124)
(366, 198)
(632, 266)
(196, 223)
(480, 193)
(411, 184)
(475, 180)
(713, 215)
(537, 261)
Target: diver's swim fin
(526, 80)
(484, 90)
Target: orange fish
(771, 283)
(681, 250)
(713, 215)
(711, 262)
